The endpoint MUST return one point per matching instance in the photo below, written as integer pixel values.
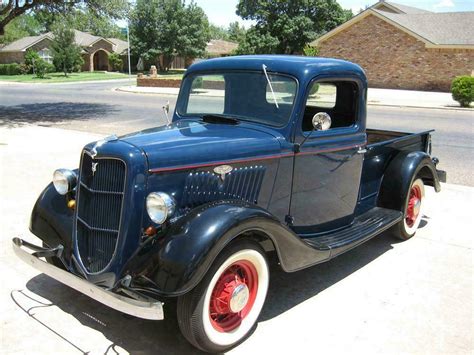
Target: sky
(222, 12)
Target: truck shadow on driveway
(150, 337)
(52, 112)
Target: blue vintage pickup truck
(264, 156)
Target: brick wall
(158, 82)
(12, 57)
(393, 59)
(101, 44)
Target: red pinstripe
(237, 161)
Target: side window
(338, 99)
(207, 94)
(322, 95)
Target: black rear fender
(399, 175)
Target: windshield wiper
(219, 119)
(270, 84)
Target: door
(327, 169)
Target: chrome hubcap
(239, 298)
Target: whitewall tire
(223, 309)
(413, 211)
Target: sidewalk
(376, 97)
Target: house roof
(120, 46)
(399, 8)
(24, 43)
(82, 39)
(439, 28)
(435, 29)
(219, 47)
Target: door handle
(361, 150)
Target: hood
(191, 142)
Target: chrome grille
(240, 184)
(99, 209)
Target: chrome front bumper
(141, 309)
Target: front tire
(222, 310)
(413, 212)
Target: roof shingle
(82, 39)
(446, 28)
(220, 47)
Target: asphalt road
(97, 108)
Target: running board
(364, 227)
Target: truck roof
(303, 68)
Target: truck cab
(264, 155)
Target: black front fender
(399, 175)
(178, 260)
(51, 220)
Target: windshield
(246, 96)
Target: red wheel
(222, 310)
(413, 211)
(233, 296)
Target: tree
(218, 32)
(13, 8)
(257, 42)
(20, 27)
(236, 33)
(115, 61)
(194, 32)
(287, 26)
(88, 21)
(168, 28)
(66, 54)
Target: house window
(45, 54)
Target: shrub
(310, 51)
(25, 68)
(115, 62)
(314, 89)
(31, 57)
(462, 89)
(10, 69)
(42, 68)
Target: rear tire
(406, 228)
(222, 310)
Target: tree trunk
(167, 60)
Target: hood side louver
(240, 184)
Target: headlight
(160, 206)
(64, 180)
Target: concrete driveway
(383, 297)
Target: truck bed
(377, 138)
(382, 146)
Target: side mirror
(321, 121)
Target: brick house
(95, 50)
(402, 47)
(214, 48)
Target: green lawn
(60, 78)
(171, 74)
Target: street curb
(462, 109)
(121, 89)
